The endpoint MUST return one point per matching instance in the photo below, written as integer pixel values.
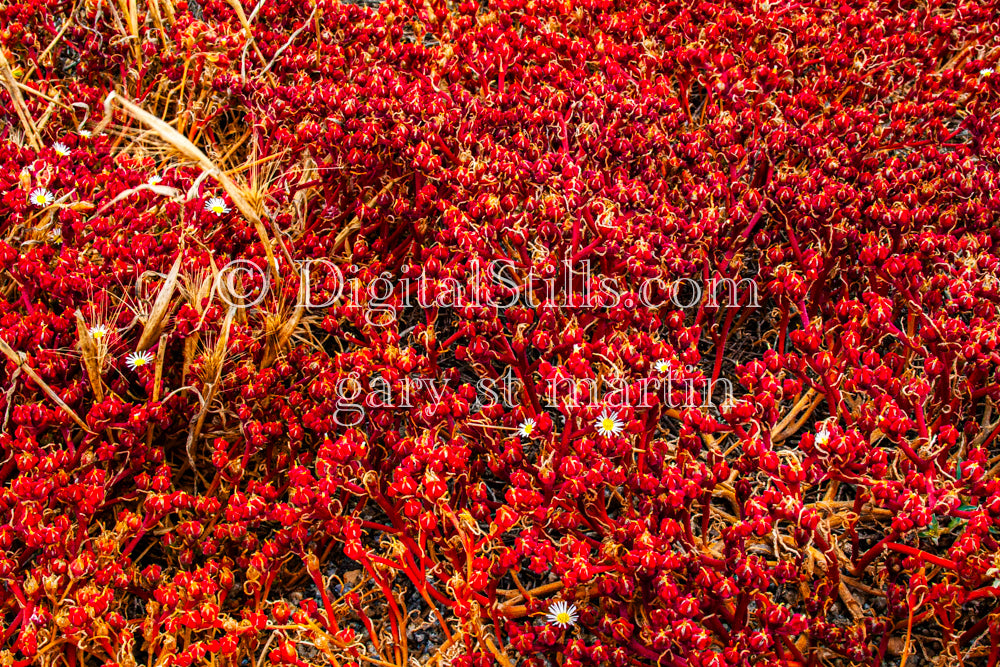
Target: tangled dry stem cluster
(178, 488)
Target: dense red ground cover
(186, 483)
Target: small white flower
(61, 149)
(139, 359)
(661, 366)
(562, 613)
(987, 71)
(86, 134)
(217, 205)
(155, 180)
(99, 332)
(608, 424)
(823, 438)
(41, 197)
(527, 427)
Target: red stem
(923, 555)
(870, 555)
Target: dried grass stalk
(154, 11)
(238, 8)
(19, 360)
(184, 146)
(197, 288)
(212, 368)
(162, 190)
(279, 336)
(53, 103)
(154, 324)
(30, 131)
(88, 348)
(157, 382)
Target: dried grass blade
(221, 347)
(503, 659)
(206, 290)
(158, 189)
(30, 131)
(88, 346)
(184, 145)
(154, 9)
(53, 103)
(19, 360)
(154, 325)
(157, 382)
(238, 8)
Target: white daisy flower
(527, 427)
(41, 197)
(822, 438)
(61, 149)
(155, 180)
(217, 205)
(99, 332)
(986, 71)
(562, 613)
(608, 424)
(86, 134)
(139, 359)
(661, 366)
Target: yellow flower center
(608, 424)
(98, 334)
(528, 428)
(218, 208)
(39, 199)
(563, 618)
(140, 361)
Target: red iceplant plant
(543, 235)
